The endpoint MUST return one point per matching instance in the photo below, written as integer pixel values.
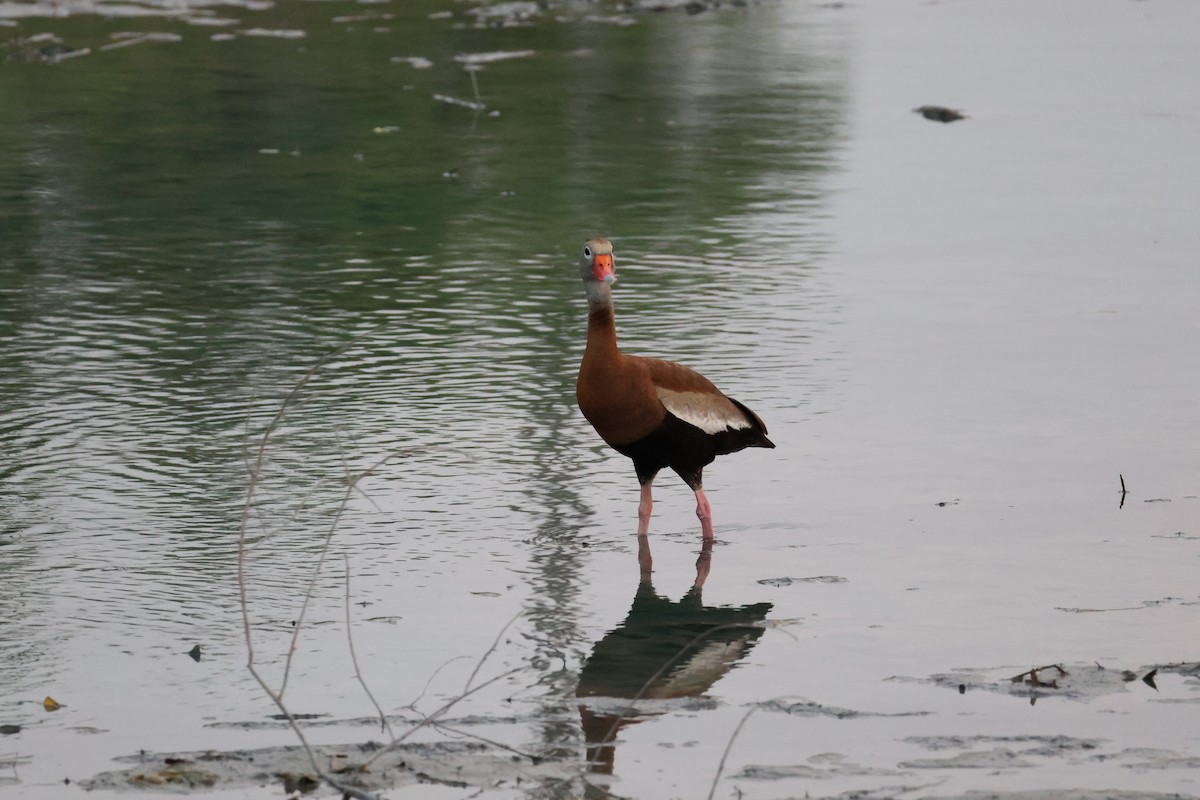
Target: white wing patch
(710, 413)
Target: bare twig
(316, 571)
(1123, 492)
(268, 534)
(308, 592)
(431, 718)
(441, 726)
(384, 725)
(252, 481)
(725, 755)
(446, 663)
(489, 651)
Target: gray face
(596, 262)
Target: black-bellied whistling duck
(658, 413)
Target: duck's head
(596, 262)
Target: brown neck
(602, 333)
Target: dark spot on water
(939, 113)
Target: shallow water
(960, 336)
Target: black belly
(684, 448)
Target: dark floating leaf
(939, 113)
(1149, 679)
(8, 730)
(194, 652)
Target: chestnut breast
(617, 395)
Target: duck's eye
(587, 252)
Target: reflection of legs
(704, 512)
(645, 560)
(644, 506)
(703, 563)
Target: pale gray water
(999, 314)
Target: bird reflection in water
(663, 650)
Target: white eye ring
(587, 252)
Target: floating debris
(1145, 604)
(1078, 682)
(9, 730)
(194, 653)
(452, 763)
(178, 772)
(999, 758)
(382, 129)
(622, 21)
(506, 14)
(213, 22)
(487, 58)
(50, 704)
(41, 48)
(273, 33)
(939, 113)
(1031, 677)
(127, 39)
(814, 579)
(458, 101)
(822, 765)
(416, 62)
(1041, 744)
(807, 708)
(361, 18)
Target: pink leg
(704, 512)
(644, 506)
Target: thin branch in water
(256, 472)
(728, 746)
(268, 534)
(316, 572)
(441, 726)
(384, 725)
(446, 663)
(489, 651)
(312, 583)
(429, 719)
(1123, 492)
(252, 481)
